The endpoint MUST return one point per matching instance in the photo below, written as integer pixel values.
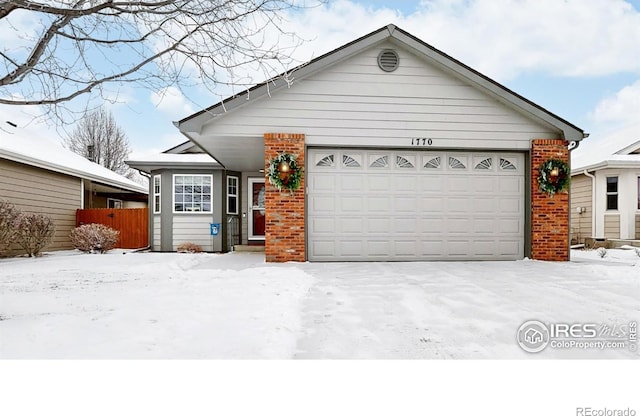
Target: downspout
(593, 201)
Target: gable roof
(30, 149)
(620, 149)
(194, 122)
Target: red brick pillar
(284, 233)
(550, 214)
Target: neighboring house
(605, 196)
(40, 176)
(408, 154)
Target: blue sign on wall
(214, 228)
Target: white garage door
(409, 205)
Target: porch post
(285, 212)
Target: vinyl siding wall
(612, 226)
(194, 229)
(157, 236)
(581, 196)
(38, 190)
(356, 103)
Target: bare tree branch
(74, 48)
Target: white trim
(250, 182)
(81, 193)
(236, 195)
(157, 208)
(173, 193)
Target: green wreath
(553, 176)
(284, 172)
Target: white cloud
(172, 102)
(501, 38)
(623, 106)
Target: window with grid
(612, 192)
(232, 195)
(192, 193)
(156, 194)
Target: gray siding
(581, 196)
(637, 226)
(171, 229)
(355, 103)
(157, 233)
(612, 226)
(194, 229)
(38, 190)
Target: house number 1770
(421, 141)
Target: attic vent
(388, 60)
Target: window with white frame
(157, 182)
(114, 203)
(192, 193)
(232, 195)
(612, 192)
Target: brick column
(284, 233)
(550, 214)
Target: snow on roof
(147, 163)
(608, 151)
(26, 147)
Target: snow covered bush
(189, 248)
(94, 238)
(602, 252)
(8, 220)
(637, 250)
(34, 232)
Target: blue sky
(577, 58)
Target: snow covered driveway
(152, 305)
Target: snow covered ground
(184, 306)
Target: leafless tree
(63, 49)
(98, 138)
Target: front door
(256, 209)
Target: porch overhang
(237, 153)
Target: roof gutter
(593, 201)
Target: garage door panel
(379, 225)
(407, 204)
(322, 249)
(380, 183)
(510, 185)
(431, 183)
(351, 204)
(379, 204)
(353, 183)
(351, 225)
(406, 225)
(379, 248)
(351, 248)
(323, 225)
(458, 205)
(511, 206)
(405, 183)
(320, 204)
(484, 205)
(415, 205)
(323, 182)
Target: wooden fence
(133, 223)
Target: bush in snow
(637, 250)
(94, 238)
(34, 232)
(8, 220)
(602, 252)
(189, 248)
